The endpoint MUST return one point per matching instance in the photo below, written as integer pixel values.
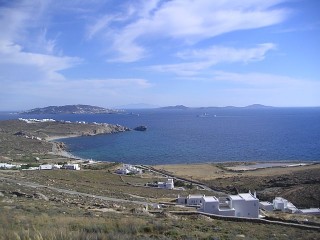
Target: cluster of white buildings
(168, 184)
(281, 204)
(245, 205)
(241, 205)
(42, 167)
(33, 120)
(73, 166)
(8, 166)
(128, 169)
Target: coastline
(56, 149)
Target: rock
(41, 196)
(240, 236)
(140, 128)
(19, 194)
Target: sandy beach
(54, 138)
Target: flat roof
(235, 197)
(266, 203)
(210, 199)
(247, 196)
(244, 196)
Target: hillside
(22, 137)
(71, 109)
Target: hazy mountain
(138, 106)
(256, 106)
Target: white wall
(243, 208)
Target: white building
(210, 205)
(9, 166)
(216, 206)
(245, 205)
(267, 206)
(56, 166)
(49, 167)
(122, 171)
(127, 169)
(74, 166)
(310, 211)
(167, 185)
(46, 167)
(190, 200)
(280, 203)
(284, 205)
(241, 205)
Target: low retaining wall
(254, 220)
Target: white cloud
(13, 54)
(205, 58)
(24, 44)
(218, 54)
(192, 21)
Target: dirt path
(72, 192)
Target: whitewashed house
(169, 184)
(241, 205)
(284, 205)
(73, 166)
(245, 205)
(216, 206)
(210, 204)
(127, 169)
(122, 171)
(46, 167)
(280, 203)
(190, 200)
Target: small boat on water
(203, 115)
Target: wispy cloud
(200, 59)
(191, 21)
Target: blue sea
(181, 136)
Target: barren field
(33, 206)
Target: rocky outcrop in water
(140, 128)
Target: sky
(112, 53)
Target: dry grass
(73, 217)
(210, 171)
(193, 171)
(21, 223)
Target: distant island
(71, 109)
(182, 107)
